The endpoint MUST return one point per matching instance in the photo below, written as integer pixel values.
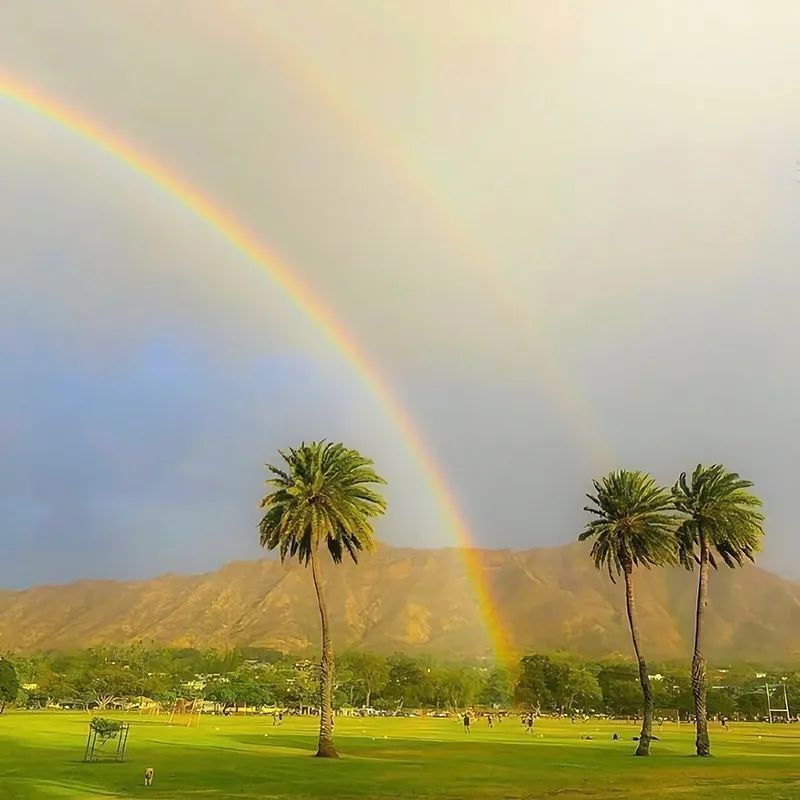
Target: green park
(41, 757)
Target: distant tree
(221, 662)
(668, 696)
(275, 677)
(54, 687)
(633, 527)
(24, 667)
(721, 702)
(532, 685)
(322, 497)
(722, 520)
(240, 688)
(406, 677)
(161, 686)
(220, 691)
(622, 693)
(303, 687)
(345, 685)
(264, 655)
(370, 671)
(793, 689)
(105, 684)
(577, 688)
(555, 684)
(752, 704)
(459, 686)
(9, 685)
(498, 688)
(684, 699)
(253, 693)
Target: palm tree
(322, 496)
(633, 527)
(722, 520)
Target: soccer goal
(777, 702)
(189, 710)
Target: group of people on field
(527, 721)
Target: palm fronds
(323, 494)
(717, 504)
(634, 523)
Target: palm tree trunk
(325, 748)
(702, 743)
(644, 679)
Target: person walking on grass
(466, 722)
(529, 724)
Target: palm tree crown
(717, 505)
(634, 525)
(324, 493)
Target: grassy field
(41, 757)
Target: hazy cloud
(558, 229)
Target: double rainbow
(288, 279)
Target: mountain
(414, 600)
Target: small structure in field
(187, 709)
(101, 732)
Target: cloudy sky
(566, 233)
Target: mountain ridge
(404, 598)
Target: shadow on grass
(305, 744)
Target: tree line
(256, 677)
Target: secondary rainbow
(281, 272)
(389, 153)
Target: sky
(566, 234)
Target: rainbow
(281, 272)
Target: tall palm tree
(722, 520)
(323, 496)
(633, 527)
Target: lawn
(41, 757)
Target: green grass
(41, 757)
